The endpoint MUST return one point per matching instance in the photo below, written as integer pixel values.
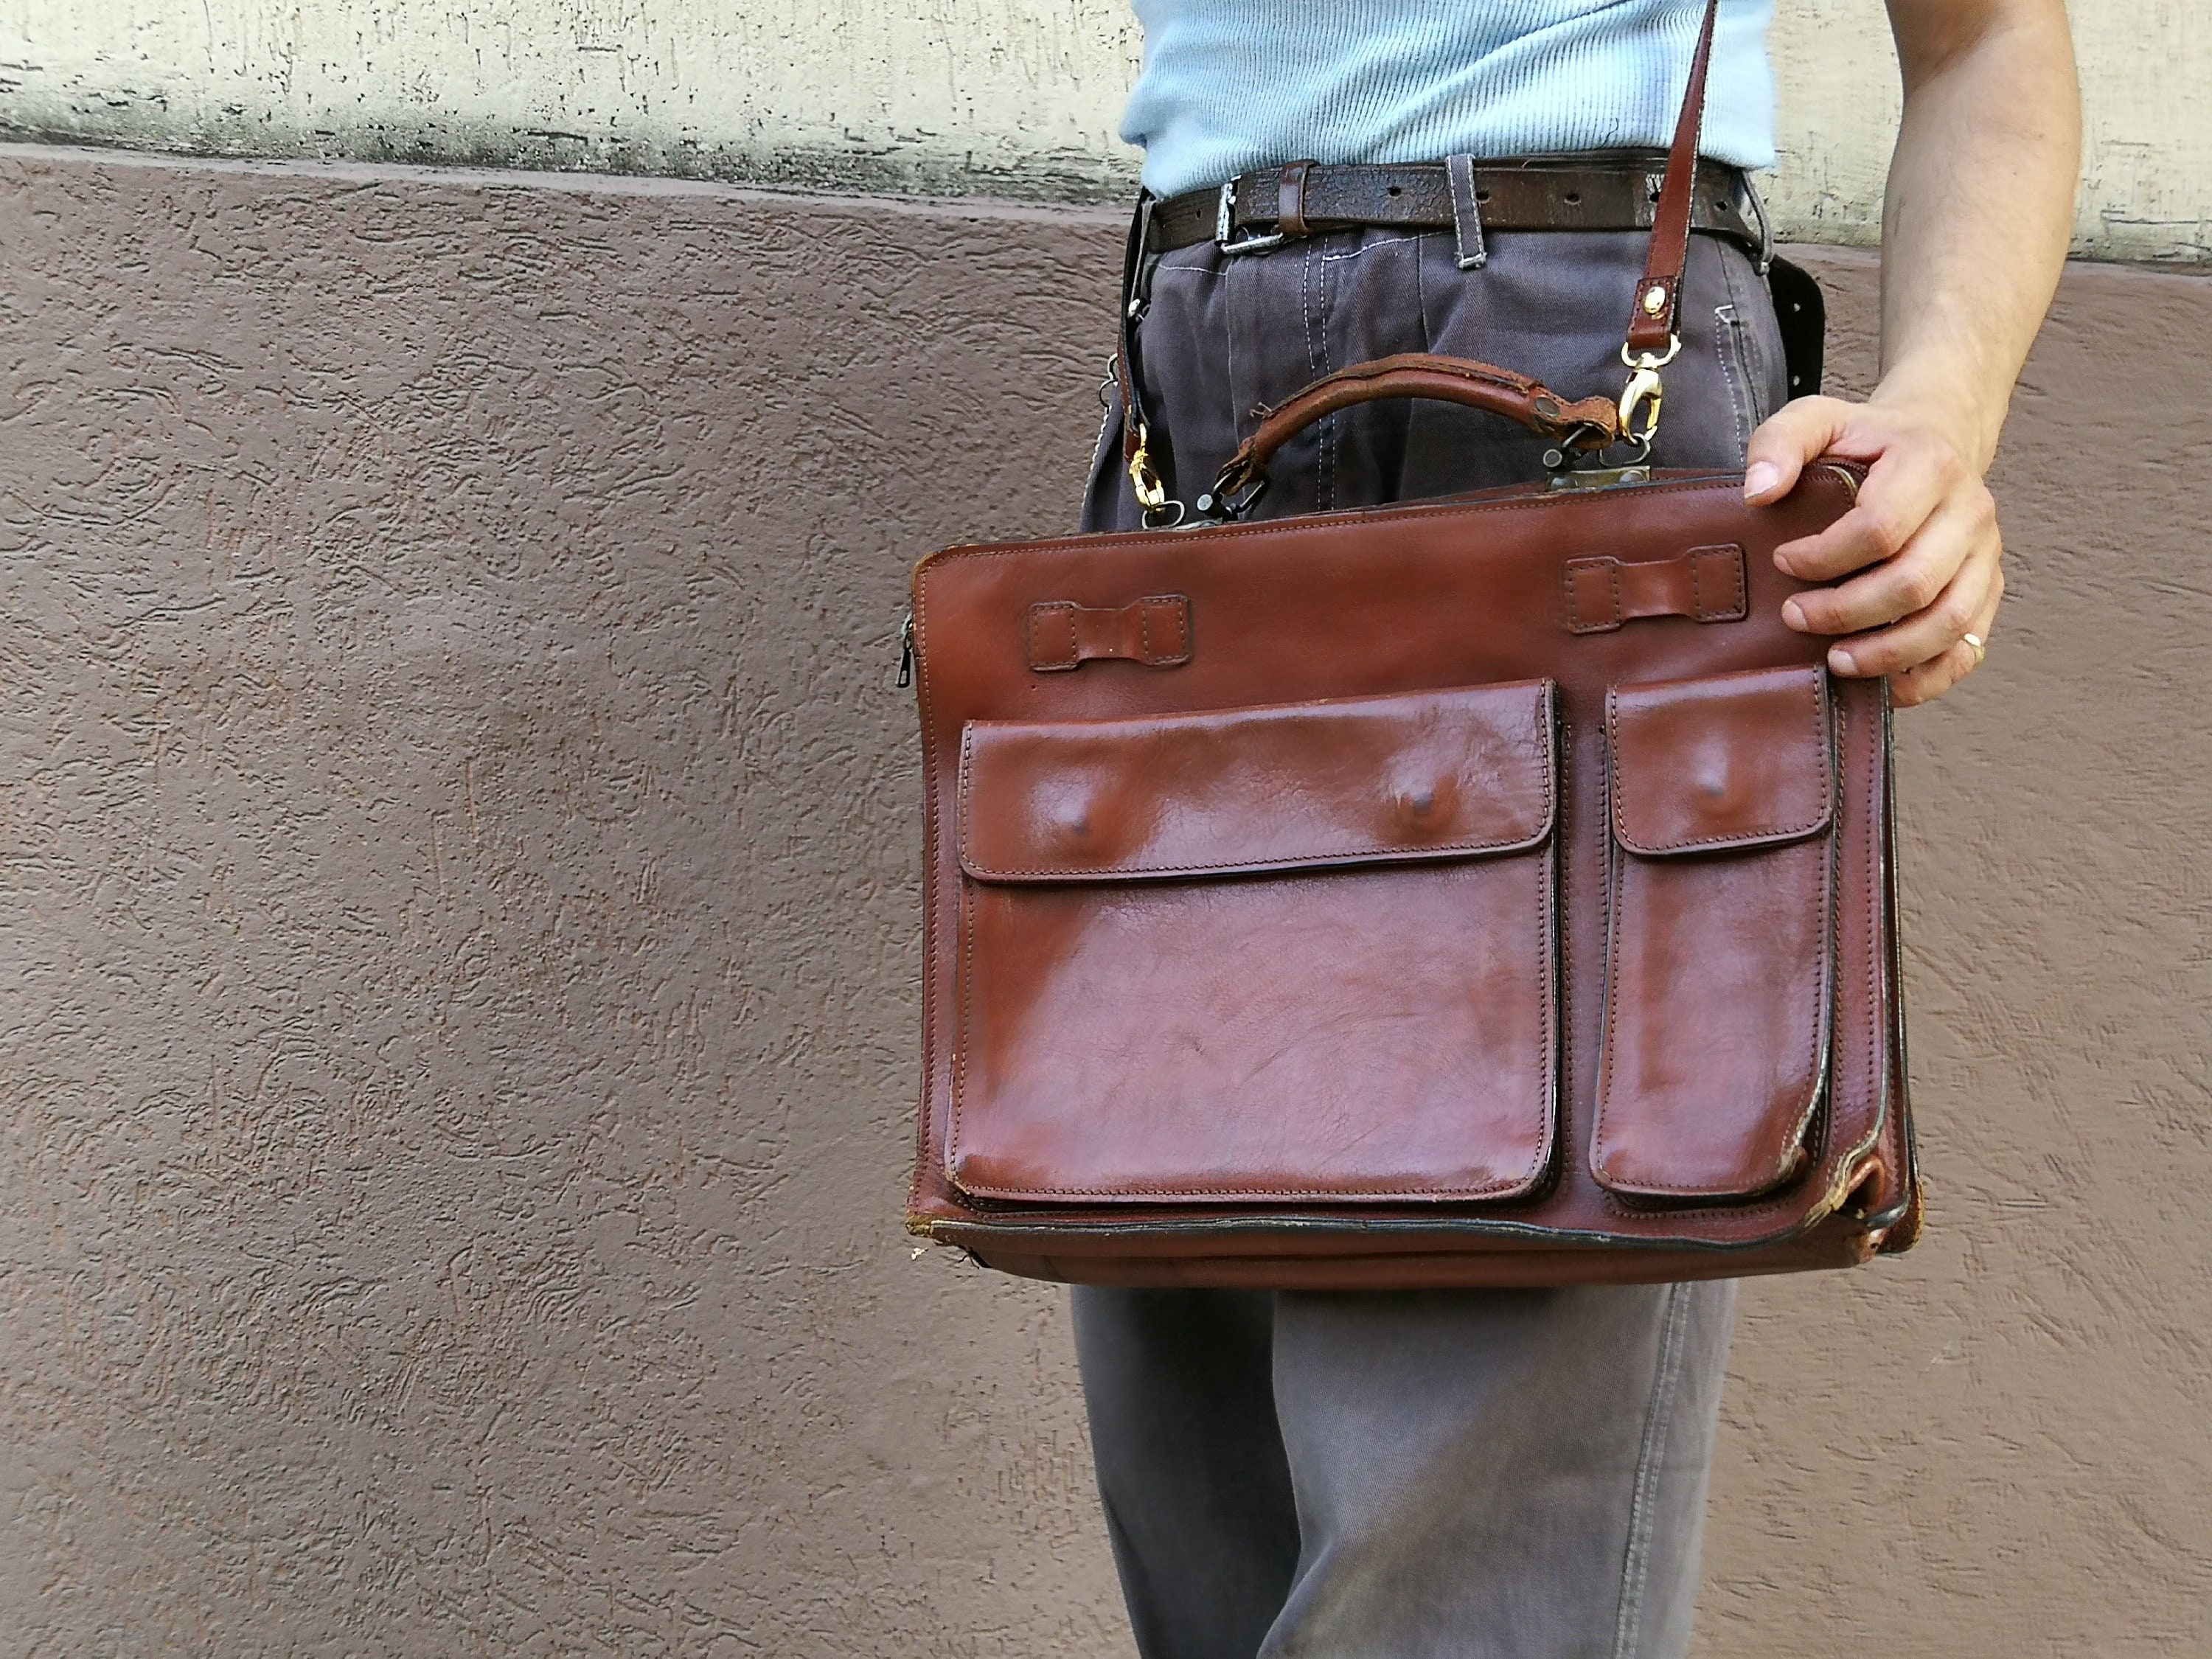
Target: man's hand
(1975, 227)
(1923, 537)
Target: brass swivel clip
(1160, 512)
(1644, 392)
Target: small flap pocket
(1437, 775)
(1735, 761)
(1714, 1052)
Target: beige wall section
(458, 930)
(996, 97)
(952, 96)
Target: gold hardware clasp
(1149, 496)
(1160, 512)
(1644, 393)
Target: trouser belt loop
(1467, 213)
(1291, 200)
(1758, 205)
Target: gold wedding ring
(1981, 649)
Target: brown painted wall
(458, 908)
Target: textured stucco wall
(997, 97)
(457, 910)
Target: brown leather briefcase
(1490, 891)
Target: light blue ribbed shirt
(1230, 85)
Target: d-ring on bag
(1487, 891)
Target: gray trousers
(1471, 1474)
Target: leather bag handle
(1587, 423)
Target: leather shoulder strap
(1651, 322)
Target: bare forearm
(1974, 233)
(1980, 206)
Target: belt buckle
(1224, 228)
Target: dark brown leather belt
(1578, 193)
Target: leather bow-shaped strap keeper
(1706, 584)
(1154, 630)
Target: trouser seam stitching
(1733, 345)
(1636, 1562)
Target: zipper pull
(906, 652)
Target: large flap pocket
(1296, 950)
(1718, 960)
(1366, 779)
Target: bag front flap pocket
(1717, 970)
(1735, 761)
(1295, 951)
(1429, 776)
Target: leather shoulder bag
(1490, 891)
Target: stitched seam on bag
(1575, 622)
(1831, 975)
(1598, 1145)
(1547, 979)
(1824, 1013)
(1037, 657)
(933, 838)
(1547, 928)
(1753, 839)
(1612, 879)
(1177, 608)
(1364, 856)
(1504, 1184)
(1607, 625)
(1732, 556)
(1276, 527)
(1567, 949)
(966, 989)
(1111, 873)
(1876, 1024)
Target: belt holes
(1574, 198)
(1394, 191)
(1482, 196)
